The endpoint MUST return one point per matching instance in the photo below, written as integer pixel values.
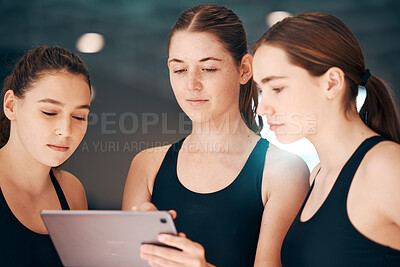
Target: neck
(337, 138)
(227, 130)
(18, 168)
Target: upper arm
(286, 181)
(72, 189)
(141, 176)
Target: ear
(168, 63)
(9, 105)
(246, 69)
(334, 82)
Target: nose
(63, 127)
(194, 82)
(264, 108)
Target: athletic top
(329, 238)
(21, 247)
(226, 222)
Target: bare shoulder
(285, 164)
(72, 189)
(148, 161)
(142, 173)
(381, 164)
(284, 170)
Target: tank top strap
(60, 194)
(348, 171)
(254, 167)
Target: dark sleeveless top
(20, 246)
(329, 238)
(226, 222)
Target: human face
(204, 76)
(290, 95)
(51, 118)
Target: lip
(58, 148)
(274, 126)
(197, 102)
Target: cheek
(177, 86)
(80, 131)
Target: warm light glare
(90, 43)
(362, 94)
(276, 16)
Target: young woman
(46, 103)
(234, 193)
(313, 64)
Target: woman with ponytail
(311, 65)
(44, 118)
(235, 194)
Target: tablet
(105, 238)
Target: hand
(190, 254)
(148, 206)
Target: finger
(173, 214)
(182, 234)
(156, 261)
(180, 242)
(147, 206)
(134, 208)
(170, 254)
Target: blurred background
(126, 51)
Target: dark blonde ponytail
(248, 102)
(379, 111)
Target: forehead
(61, 86)
(196, 45)
(270, 60)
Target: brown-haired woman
(45, 107)
(231, 189)
(312, 64)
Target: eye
(49, 113)
(209, 70)
(179, 71)
(79, 118)
(277, 89)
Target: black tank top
(329, 238)
(226, 222)
(21, 247)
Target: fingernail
(134, 208)
(144, 248)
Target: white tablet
(105, 238)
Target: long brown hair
(30, 67)
(316, 42)
(228, 28)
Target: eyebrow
(58, 103)
(270, 78)
(201, 60)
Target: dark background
(134, 106)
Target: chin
(53, 162)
